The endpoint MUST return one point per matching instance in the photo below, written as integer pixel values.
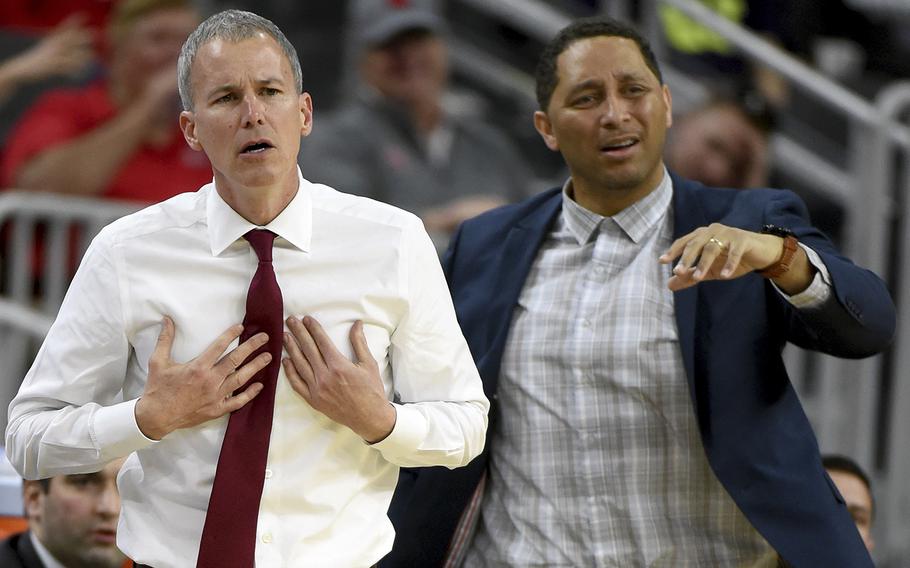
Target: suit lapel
(518, 253)
(687, 216)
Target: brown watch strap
(783, 263)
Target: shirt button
(268, 473)
(267, 538)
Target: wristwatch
(782, 265)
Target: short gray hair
(233, 26)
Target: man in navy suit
(72, 522)
(628, 328)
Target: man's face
(247, 115)
(412, 66)
(859, 503)
(154, 41)
(608, 116)
(76, 519)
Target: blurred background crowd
(427, 104)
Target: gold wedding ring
(719, 243)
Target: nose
(108, 503)
(253, 111)
(612, 110)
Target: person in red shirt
(116, 137)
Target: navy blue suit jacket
(17, 552)
(755, 433)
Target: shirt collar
(635, 221)
(43, 553)
(294, 223)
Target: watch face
(775, 230)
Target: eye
(636, 90)
(81, 481)
(270, 91)
(226, 98)
(584, 100)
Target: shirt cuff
(410, 430)
(819, 289)
(116, 432)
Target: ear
(668, 101)
(32, 499)
(305, 102)
(188, 127)
(545, 128)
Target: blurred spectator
(116, 137)
(854, 486)
(72, 523)
(397, 141)
(67, 50)
(720, 144)
(45, 14)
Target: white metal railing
(60, 228)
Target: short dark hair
(844, 464)
(546, 74)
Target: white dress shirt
(338, 258)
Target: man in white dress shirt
(144, 361)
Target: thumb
(362, 353)
(162, 351)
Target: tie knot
(261, 240)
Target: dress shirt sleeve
(68, 416)
(819, 290)
(442, 420)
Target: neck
(258, 205)
(609, 199)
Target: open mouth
(256, 147)
(619, 146)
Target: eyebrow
(228, 87)
(585, 85)
(86, 476)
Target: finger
(162, 352)
(710, 253)
(688, 256)
(734, 257)
(215, 349)
(676, 248)
(323, 342)
(299, 385)
(677, 283)
(239, 400)
(300, 363)
(235, 381)
(306, 344)
(239, 354)
(362, 353)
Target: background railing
(42, 238)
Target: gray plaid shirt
(596, 457)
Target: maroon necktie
(229, 535)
